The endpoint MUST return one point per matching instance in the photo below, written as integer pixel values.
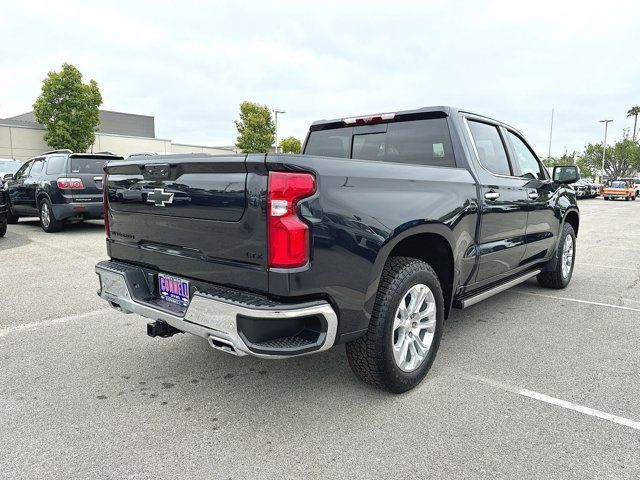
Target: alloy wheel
(567, 256)
(45, 215)
(414, 327)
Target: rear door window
(491, 151)
(89, 165)
(418, 142)
(55, 165)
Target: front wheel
(3, 226)
(405, 327)
(560, 268)
(48, 221)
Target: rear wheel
(405, 328)
(3, 226)
(48, 221)
(562, 264)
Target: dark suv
(58, 186)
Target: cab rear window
(330, 143)
(417, 142)
(86, 165)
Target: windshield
(617, 185)
(9, 166)
(87, 165)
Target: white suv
(9, 165)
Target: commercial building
(21, 137)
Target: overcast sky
(190, 65)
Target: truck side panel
(360, 211)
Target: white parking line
(602, 210)
(558, 402)
(580, 408)
(607, 266)
(53, 321)
(620, 307)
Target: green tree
(634, 112)
(255, 127)
(621, 160)
(68, 109)
(290, 145)
(573, 158)
(585, 169)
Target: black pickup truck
(368, 238)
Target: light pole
(276, 112)
(604, 145)
(550, 137)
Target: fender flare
(39, 195)
(401, 233)
(553, 261)
(566, 213)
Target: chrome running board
(472, 300)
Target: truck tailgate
(197, 216)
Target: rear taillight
(288, 234)
(70, 184)
(105, 206)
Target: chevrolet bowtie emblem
(159, 197)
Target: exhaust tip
(116, 306)
(222, 345)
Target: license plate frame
(173, 289)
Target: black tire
(3, 226)
(53, 224)
(11, 218)
(371, 357)
(553, 276)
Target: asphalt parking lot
(531, 383)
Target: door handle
(533, 195)
(491, 195)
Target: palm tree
(634, 112)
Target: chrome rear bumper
(214, 314)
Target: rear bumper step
(232, 321)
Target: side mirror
(566, 174)
(7, 176)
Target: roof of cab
(444, 110)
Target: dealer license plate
(173, 289)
